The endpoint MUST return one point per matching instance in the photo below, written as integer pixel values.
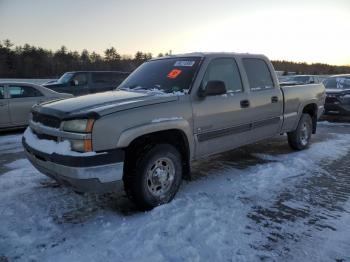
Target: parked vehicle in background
(300, 80)
(17, 99)
(168, 112)
(87, 82)
(338, 95)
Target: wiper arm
(132, 87)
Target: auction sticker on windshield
(184, 63)
(174, 73)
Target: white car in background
(17, 99)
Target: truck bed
(295, 97)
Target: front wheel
(155, 177)
(300, 138)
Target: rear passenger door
(4, 108)
(220, 121)
(265, 99)
(21, 100)
(101, 82)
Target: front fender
(128, 135)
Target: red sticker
(174, 73)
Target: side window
(101, 78)
(119, 77)
(81, 79)
(2, 92)
(23, 91)
(226, 70)
(258, 73)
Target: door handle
(274, 99)
(245, 103)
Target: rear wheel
(300, 138)
(155, 176)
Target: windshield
(342, 82)
(168, 75)
(65, 78)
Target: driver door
(220, 121)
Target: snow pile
(327, 123)
(11, 144)
(50, 147)
(158, 120)
(207, 221)
(155, 91)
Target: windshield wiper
(132, 87)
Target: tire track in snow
(208, 220)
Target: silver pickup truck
(167, 113)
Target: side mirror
(212, 88)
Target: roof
(18, 83)
(208, 54)
(120, 72)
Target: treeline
(312, 69)
(29, 61)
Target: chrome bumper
(99, 178)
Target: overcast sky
(298, 30)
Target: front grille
(45, 136)
(331, 100)
(46, 120)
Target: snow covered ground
(259, 203)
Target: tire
(154, 177)
(300, 138)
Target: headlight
(78, 125)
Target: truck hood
(96, 105)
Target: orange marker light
(87, 145)
(174, 73)
(89, 125)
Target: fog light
(81, 145)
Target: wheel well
(311, 109)
(174, 137)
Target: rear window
(258, 73)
